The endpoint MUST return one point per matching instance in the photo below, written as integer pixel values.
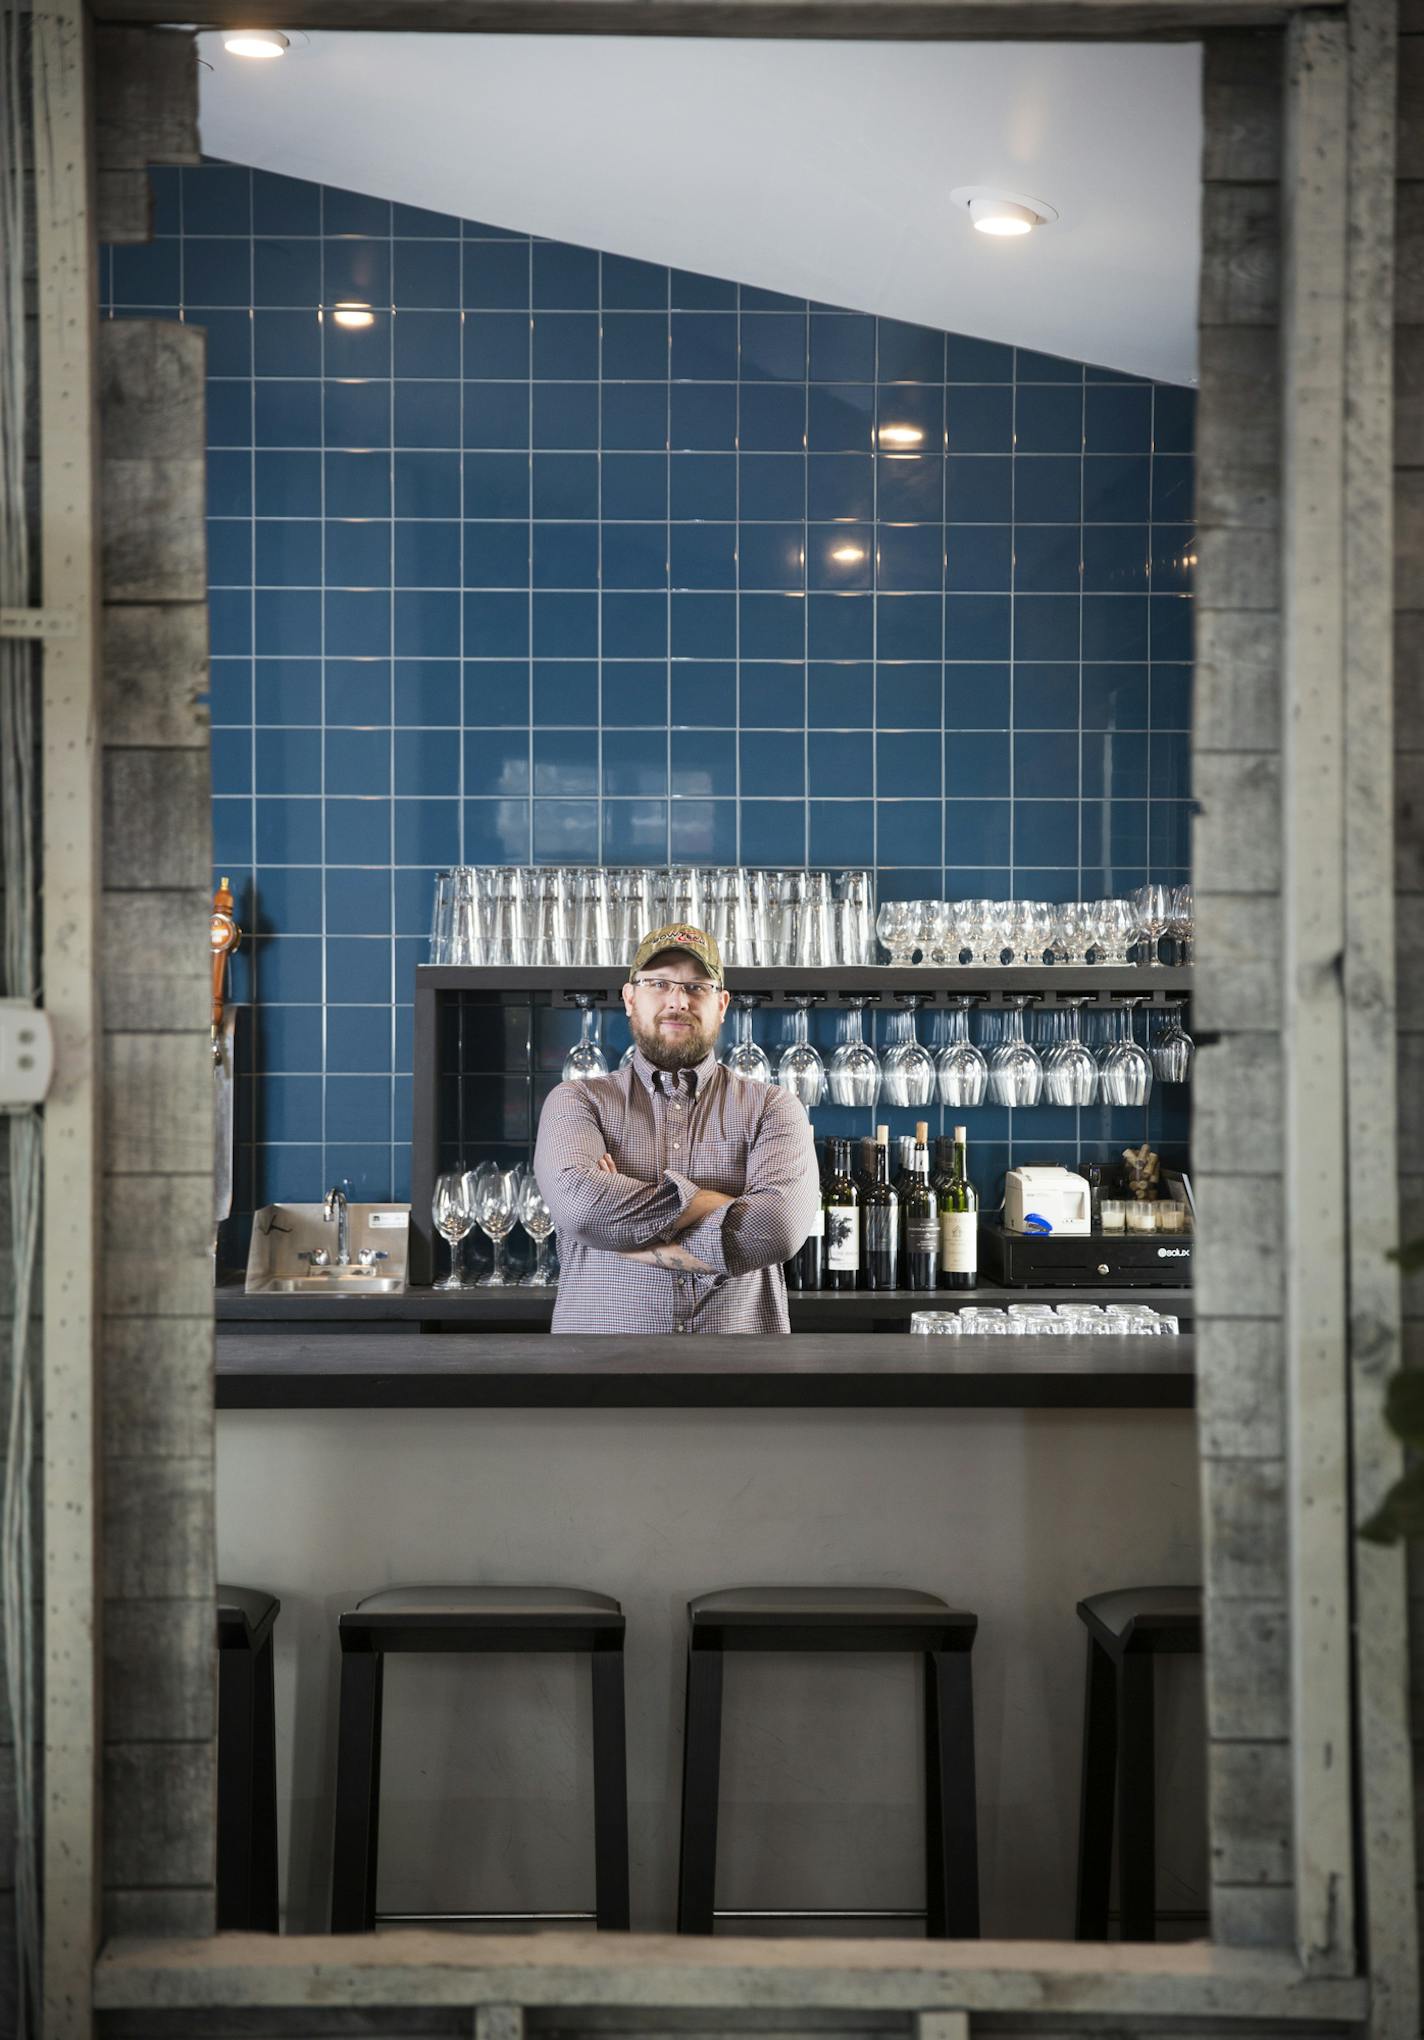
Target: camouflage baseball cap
(679, 935)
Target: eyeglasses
(698, 991)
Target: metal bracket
(38, 623)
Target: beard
(679, 1048)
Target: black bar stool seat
(471, 1619)
(1127, 1628)
(838, 1619)
(247, 1762)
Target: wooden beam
(410, 1967)
(828, 20)
(64, 197)
(1315, 1210)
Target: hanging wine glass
(961, 1070)
(746, 1057)
(585, 1059)
(1070, 1069)
(1015, 1067)
(907, 1069)
(1173, 1050)
(538, 1221)
(854, 1074)
(1125, 1072)
(800, 1069)
(453, 1210)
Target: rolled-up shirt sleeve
(593, 1205)
(773, 1217)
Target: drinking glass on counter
(497, 1198)
(1113, 1212)
(537, 1220)
(1152, 905)
(452, 1206)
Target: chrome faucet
(335, 1205)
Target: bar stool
(473, 1619)
(1127, 1629)
(247, 1762)
(838, 1619)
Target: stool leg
(701, 1772)
(951, 1814)
(265, 1913)
(235, 1790)
(1136, 1813)
(610, 1789)
(358, 1788)
(1095, 1799)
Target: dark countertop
(289, 1368)
(823, 1312)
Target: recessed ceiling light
(353, 315)
(901, 435)
(256, 42)
(1002, 213)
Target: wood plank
(69, 506)
(147, 104)
(157, 1825)
(141, 784)
(1247, 1651)
(158, 1536)
(155, 961)
(160, 1671)
(1241, 83)
(1241, 245)
(1244, 1528)
(1240, 1372)
(673, 1972)
(173, 1276)
(156, 674)
(855, 20)
(1239, 849)
(155, 543)
(1313, 803)
(160, 1096)
(158, 1386)
(1236, 689)
(1251, 1813)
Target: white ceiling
(818, 168)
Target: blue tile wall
(571, 557)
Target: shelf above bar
(836, 984)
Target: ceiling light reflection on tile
(901, 435)
(353, 315)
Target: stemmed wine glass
(497, 1197)
(1114, 927)
(585, 1059)
(1173, 1050)
(1015, 1067)
(1182, 926)
(452, 1206)
(1070, 1069)
(1152, 905)
(897, 924)
(746, 1057)
(854, 1075)
(1030, 929)
(537, 1220)
(962, 1071)
(800, 1069)
(908, 1069)
(1125, 1072)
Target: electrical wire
(18, 1582)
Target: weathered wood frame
(1279, 770)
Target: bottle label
(922, 1236)
(842, 1236)
(959, 1242)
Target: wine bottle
(959, 1222)
(919, 1220)
(880, 1225)
(943, 1162)
(865, 1162)
(841, 1207)
(804, 1269)
(904, 1174)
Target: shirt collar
(694, 1079)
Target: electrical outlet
(26, 1055)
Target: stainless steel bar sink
(331, 1282)
(328, 1249)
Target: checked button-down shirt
(670, 1134)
